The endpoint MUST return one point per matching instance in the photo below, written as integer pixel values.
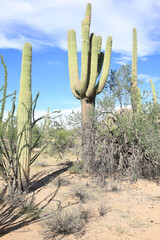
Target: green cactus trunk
(134, 72)
(24, 118)
(86, 89)
(139, 101)
(88, 132)
(153, 92)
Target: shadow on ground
(12, 217)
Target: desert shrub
(21, 204)
(62, 140)
(28, 207)
(133, 149)
(66, 222)
(37, 136)
(76, 168)
(126, 143)
(103, 209)
(80, 193)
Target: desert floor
(131, 209)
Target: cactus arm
(134, 58)
(94, 65)
(100, 56)
(84, 61)
(82, 27)
(73, 63)
(134, 71)
(106, 66)
(99, 44)
(153, 92)
(85, 30)
(100, 63)
(24, 117)
(87, 19)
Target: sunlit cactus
(139, 100)
(134, 72)
(24, 118)
(92, 62)
(153, 92)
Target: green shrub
(76, 168)
(61, 141)
(37, 136)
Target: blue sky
(45, 24)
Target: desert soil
(132, 209)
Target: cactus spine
(134, 72)
(24, 118)
(86, 89)
(153, 92)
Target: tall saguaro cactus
(139, 100)
(24, 117)
(85, 89)
(134, 72)
(153, 92)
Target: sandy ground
(132, 209)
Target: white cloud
(46, 22)
(123, 60)
(62, 114)
(54, 63)
(146, 77)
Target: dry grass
(112, 210)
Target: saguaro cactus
(134, 72)
(24, 118)
(86, 89)
(153, 92)
(139, 100)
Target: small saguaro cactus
(153, 92)
(24, 118)
(134, 72)
(85, 89)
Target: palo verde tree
(24, 118)
(119, 85)
(86, 88)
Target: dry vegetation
(66, 205)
